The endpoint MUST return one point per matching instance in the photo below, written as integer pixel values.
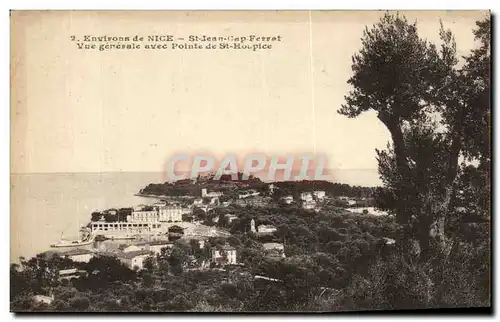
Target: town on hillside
(208, 218)
(241, 228)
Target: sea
(45, 207)
(48, 206)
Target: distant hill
(192, 187)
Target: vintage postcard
(250, 161)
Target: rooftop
(107, 253)
(160, 242)
(266, 226)
(175, 227)
(75, 252)
(389, 241)
(270, 246)
(68, 271)
(267, 278)
(155, 243)
(133, 254)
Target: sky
(131, 110)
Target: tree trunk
(431, 219)
(393, 125)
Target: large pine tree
(437, 113)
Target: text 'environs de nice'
(190, 38)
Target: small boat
(71, 243)
(86, 239)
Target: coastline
(162, 197)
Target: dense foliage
(323, 252)
(335, 261)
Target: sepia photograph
(250, 161)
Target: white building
(144, 215)
(349, 201)
(130, 248)
(70, 273)
(320, 195)
(230, 218)
(198, 202)
(309, 205)
(43, 299)
(150, 246)
(158, 213)
(306, 196)
(134, 259)
(171, 213)
(288, 199)
(205, 193)
(79, 255)
(252, 226)
(248, 194)
(156, 246)
(266, 229)
(274, 249)
(225, 254)
(389, 241)
(129, 228)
